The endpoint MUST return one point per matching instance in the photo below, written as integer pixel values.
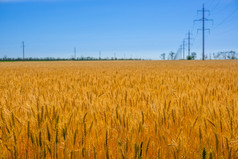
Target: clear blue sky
(134, 28)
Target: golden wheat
(133, 109)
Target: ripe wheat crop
(133, 109)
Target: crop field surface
(119, 109)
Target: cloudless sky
(131, 28)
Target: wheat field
(119, 109)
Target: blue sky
(131, 28)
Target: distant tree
(231, 55)
(171, 54)
(194, 55)
(214, 56)
(224, 55)
(189, 57)
(4, 57)
(162, 56)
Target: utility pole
(99, 55)
(183, 47)
(180, 51)
(23, 51)
(75, 53)
(189, 42)
(203, 32)
(203, 19)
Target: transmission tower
(203, 19)
(183, 48)
(189, 42)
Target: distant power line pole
(189, 42)
(23, 51)
(179, 52)
(183, 47)
(99, 55)
(203, 19)
(75, 53)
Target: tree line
(5, 58)
(222, 55)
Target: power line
(230, 30)
(226, 18)
(224, 8)
(210, 4)
(203, 19)
(216, 5)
